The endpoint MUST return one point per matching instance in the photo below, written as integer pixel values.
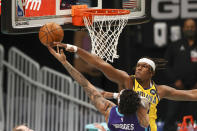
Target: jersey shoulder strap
(155, 86)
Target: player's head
(145, 69)
(189, 29)
(22, 128)
(128, 102)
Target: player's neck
(145, 84)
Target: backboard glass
(26, 16)
(140, 10)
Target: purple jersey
(119, 122)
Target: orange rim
(80, 11)
(106, 12)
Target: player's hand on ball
(68, 47)
(59, 44)
(59, 55)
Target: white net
(104, 32)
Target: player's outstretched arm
(95, 96)
(178, 95)
(107, 95)
(110, 95)
(118, 76)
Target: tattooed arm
(142, 112)
(95, 96)
(118, 76)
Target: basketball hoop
(104, 26)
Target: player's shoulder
(163, 90)
(132, 78)
(159, 87)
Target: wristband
(72, 46)
(115, 95)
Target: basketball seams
(57, 35)
(51, 32)
(57, 27)
(46, 32)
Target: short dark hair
(129, 102)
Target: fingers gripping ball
(51, 32)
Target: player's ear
(152, 72)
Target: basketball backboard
(26, 16)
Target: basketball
(51, 32)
